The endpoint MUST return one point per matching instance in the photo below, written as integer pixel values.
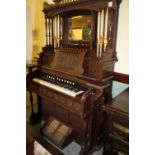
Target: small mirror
(80, 28)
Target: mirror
(80, 28)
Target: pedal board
(57, 132)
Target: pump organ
(74, 77)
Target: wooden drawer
(120, 119)
(119, 144)
(121, 131)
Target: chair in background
(117, 124)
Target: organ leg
(35, 117)
(85, 145)
(31, 119)
(39, 107)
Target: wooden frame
(120, 77)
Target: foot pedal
(57, 132)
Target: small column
(49, 32)
(46, 25)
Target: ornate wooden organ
(75, 72)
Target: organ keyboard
(59, 86)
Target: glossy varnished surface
(117, 131)
(120, 103)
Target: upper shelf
(96, 5)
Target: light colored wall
(35, 28)
(28, 33)
(122, 65)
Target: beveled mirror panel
(80, 28)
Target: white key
(58, 88)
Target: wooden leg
(32, 116)
(35, 117)
(39, 113)
(86, 143)
(39, 104)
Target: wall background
(35, 32)
(122, 65)
(35, 27)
